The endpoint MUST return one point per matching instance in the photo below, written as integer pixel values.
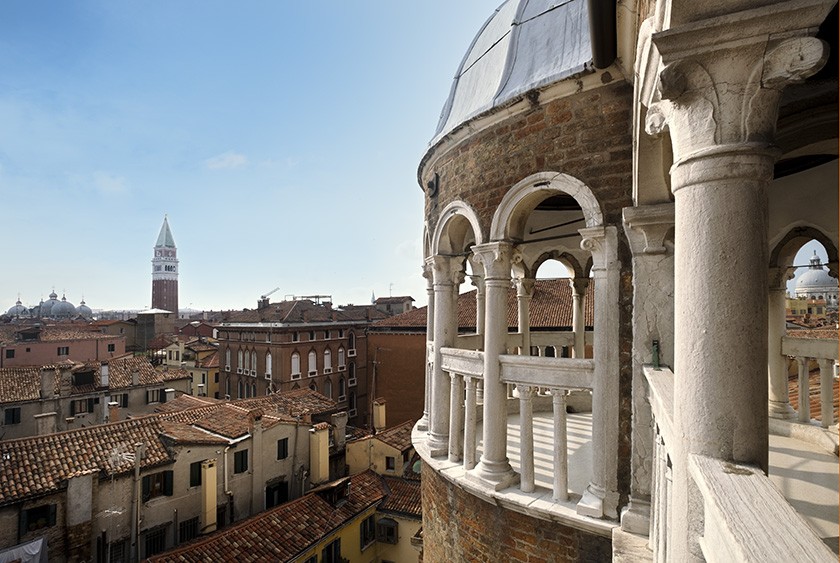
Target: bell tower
(165, 271)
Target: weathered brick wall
(586, 135)
(458, 526)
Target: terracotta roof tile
(211, 361)
(183, 402)
(403, 497)
(282, 533)
(399, 436)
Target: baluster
(826, 392)
(526, 438)
(561, 452)
(660, 550)
(456, 417)
(470, 423)
(804, 390)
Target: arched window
(240, 391)
(351, 374)
(253, 363)
(239, 361)
(227, 359)
(268, 365)
(247, 365)
(351, 404)
(313, 386)
(342, 389)
(327, 361)
(351, 343)
(328, 388)
(341, 358)
(253, 389)
(227, 388)
(295, 365)
(312, 364)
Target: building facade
(165, 271)
(668, 154)
(46, 345)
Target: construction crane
(263, 302)
(269, 293)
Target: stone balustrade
(824, 352)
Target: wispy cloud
(109, 184)
(229, 159)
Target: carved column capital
(446, 270)
(496, 257)
(525, 287)
(602, 243)
(646, 227)
(579, 286)
(778, 277)
(722, 77)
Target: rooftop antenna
(390, 288)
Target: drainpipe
(602, 31)
(227, 489)
(139, 448)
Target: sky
(280, 138)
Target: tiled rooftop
(120, 370)
(50, 333)
(298, 402)
(551, 308)
(399, 436)
(403, 497)
(40, 464)
(282, 533)
(304, 311)
(183, 402)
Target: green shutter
(167, 483)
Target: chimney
(113, 411)
(208, 495)
(339, 421)
(170, 394)
(66, 386)
(379, 415)
(135, 377)
(257, 479)
(319, 453)
(47, 383)
(103, 374)
(46, 423)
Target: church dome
(63, 309)
(816, 277)
(18, 310)
(46, 308)
(84, 311)
(526, 44)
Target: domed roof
(18, 310)
(525, 44)
(816, 277)
(84, 310)
(46, 307)
(63, 309)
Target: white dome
(526, 44)
(816, 279)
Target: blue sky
(281, 138)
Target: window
(268, 365)
(119, 551)
(276, 494)
(155, 541)
(340, 359)
(332, 553)
(155, 396)
(157, 484)
(195, 474)
(253, 363)
(342, 389)
(37, 518)
(367, 531)
(351, 343)
(341, 333)
(386, 531)
(327, 361)
(390, 463)
(121, 399)
(351, 374)
(112, 347)
(312, 363)
(240, 461)
(63, 351)
(227, 359)
(311, 335)
(253, 389)
(313, 386)
(10, 353)
(296, 337)
(246, 367)
(240, 392)
(328, 388)
(351, 404)
(81, 406)
(11, 415)
(239, 361)
(283, 448)
(295, 366)
(187, 530)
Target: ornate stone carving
(496, 257)
(447, 270)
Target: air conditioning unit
(227, 368)
(351, 352)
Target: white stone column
(524, 292)
(526, 438)
(600, 499)
(777, 374)
(477, 281)
(653, 319)
(494, 469)
(447, 272)
(456, 418)
(470, 423)
(430, 335)
(561, 447)
(804, 413)
(579, 286)
(720, 89)
(826, 392)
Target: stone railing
(529, 376)
(740, 504)
(825, 353)
(538, 339)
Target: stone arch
(453, 228)
(512, 213)
(783, 252)
(577, 269)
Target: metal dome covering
(63, 309)
(526, 44)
